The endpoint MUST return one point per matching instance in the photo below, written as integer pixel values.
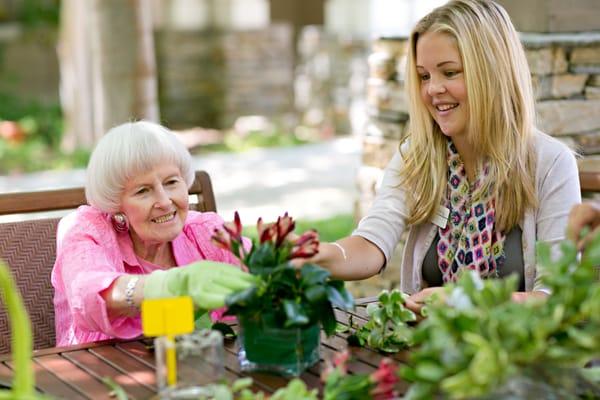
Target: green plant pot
(284, 351)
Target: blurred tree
(107, 65)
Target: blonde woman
(474, 182)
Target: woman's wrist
(340, 249)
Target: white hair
(129, 150)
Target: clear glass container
(284, 351)
(199, 364)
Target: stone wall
(566, 75)
(209, 78)
(22, 53)
(329, 82)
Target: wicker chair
(29, 248)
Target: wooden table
(76, 372)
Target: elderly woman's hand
(581, 216)
(207, 282)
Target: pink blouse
(90, 255)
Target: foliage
(486, 343)
(36, 145)
(240, 390)
(33, 13)
(291, 297)
(330, 229)
(387, 329)
(116, 390)
(38, 120)
(235, 143)
(339, 385)
(23, 384)
(34, 155)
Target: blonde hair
(128, 150)
(501, 108)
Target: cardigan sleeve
(386, 219)
(558, 192)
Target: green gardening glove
(206, 282)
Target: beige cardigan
(558, 190)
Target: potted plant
(280, 317)
(478, 343)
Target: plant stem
(23, 384)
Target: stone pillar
(553, 16)
(298, 13)
(222, 61)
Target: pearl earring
(120, 222)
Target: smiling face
(443, 89)
(156, 206)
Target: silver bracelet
(129, 289)
(342, 249)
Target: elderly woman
(137, 239)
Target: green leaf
(202, 320)
(241, 298)
(262, 259)
(328, 321)
(591, 255)
(116, 390)
(241, 383)
(429, 372)
(294, 313)
(339, 296)
(225, 329)
(316, 294)
(313, 274)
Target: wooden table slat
(5, 375)
(74, 376)
(127, 364)
(98, 368)
(47, 382)
(139, 351)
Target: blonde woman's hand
(417, 300)
(521, 297)
(582, 216)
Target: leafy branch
(387, 329)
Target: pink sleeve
(88, 261)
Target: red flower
(385, 379)
(306, 245)
(338, 363)
(230, 237)
(340, 359)
(234, 228)
(284, 225)
(266, 232)
(221, 239)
